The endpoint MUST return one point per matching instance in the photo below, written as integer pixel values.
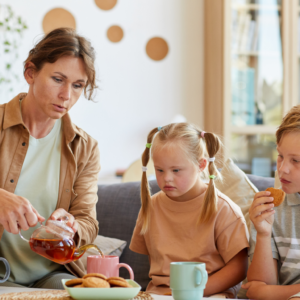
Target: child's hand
(256, 289)
(261, 213)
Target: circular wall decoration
(58, 17)
(106, 4)
(115, 33)
(157, 48)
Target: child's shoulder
(225, 204)
(155, 197)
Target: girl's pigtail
(145, 189)
(210, 206)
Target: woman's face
(57, 86)
(288, 162)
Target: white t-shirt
(39, 183)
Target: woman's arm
(83, 204)
(230, 275)
(83, 208)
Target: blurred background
(149, 62)
(229, 66)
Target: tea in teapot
(54, 241)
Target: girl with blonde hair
(189, 219)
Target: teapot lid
(60, 228)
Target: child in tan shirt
(189, 220)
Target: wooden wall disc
(106, 4)
(115, 33)
(58, 17)
(157, 48)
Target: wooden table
(4, 290)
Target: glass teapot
(54, 241)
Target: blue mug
(188, 280)
(7, 267)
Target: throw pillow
(109, 246)
(237, 186)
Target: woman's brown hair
(290, 122)
(65, 42)
(195, 146)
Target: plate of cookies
(96, 286)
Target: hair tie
(159, 128)
(202, 134)
(212, 176)
(148, 145)
(211, 159)
(144, 169)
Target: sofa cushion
(117, 210)
(238, 187)
(261, 182)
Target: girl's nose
(167, 177)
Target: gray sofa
(117, 210)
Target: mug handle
(7, 267)
(204, 276)
(128, 268)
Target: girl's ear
(29, 72)
(202, 164)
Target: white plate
(103, 293)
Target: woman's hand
(61, 214)
(261, 213)
(17, 213)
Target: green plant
(11, 34)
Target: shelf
(255, 53)
(254, 129)
(255, 7)
(233, 44)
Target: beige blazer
(79, 168)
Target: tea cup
(188, 280)
(7, 267)
(107, 265)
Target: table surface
(5, 289)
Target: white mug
(7, 267)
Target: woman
(49, 166)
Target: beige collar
(13, 117)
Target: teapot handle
(23, 237)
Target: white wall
(136, 93)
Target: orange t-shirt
(174, 235)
